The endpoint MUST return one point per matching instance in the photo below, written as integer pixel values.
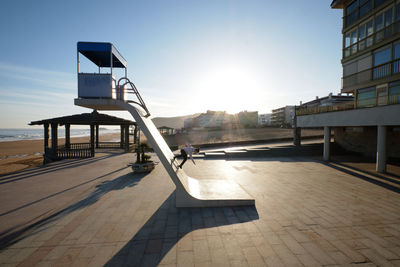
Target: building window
(381, 63)
(351, 13)
(379, 2)
(365, 7)
(394, 92)
(366, 97)
(396, 58)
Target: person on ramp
(187, 150)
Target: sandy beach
(24, 154)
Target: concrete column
(327, 142)
(67, 136)
(297, 136)
(381, 149)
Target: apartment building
(283, 116)
(264, 119)
(371, 73)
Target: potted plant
(143, 162)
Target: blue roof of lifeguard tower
(100, 54)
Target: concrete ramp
(190, 192)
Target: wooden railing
(322, 109)
(81, 150)
(365, 103)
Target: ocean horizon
(18, 134)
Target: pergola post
(121, 143)
(54, 139)
(126, 138)
(92, 140)
(135, 132)
(67, 136)
(46, 138)
(97, 136)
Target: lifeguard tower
(103, 91)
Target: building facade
(371, 73)
(283, 116)
(371, 51)
(264, 119)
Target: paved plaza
(95, 212)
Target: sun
(229, 88)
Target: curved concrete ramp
(190, 192)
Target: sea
(7, 135)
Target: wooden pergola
(84, 150)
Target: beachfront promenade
(95, 212)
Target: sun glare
(228, 89)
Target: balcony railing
(375, 73)
(364, 103)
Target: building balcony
(380, 72)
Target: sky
(184, 56)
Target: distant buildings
(221, 119)
(283, 116)
(264, 119)
(326, 101)
(371, 73)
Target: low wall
(364, 140)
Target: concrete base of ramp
(190, 192)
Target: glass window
(388, 17)
(370, 28)
(394, 93)
(379, 22)
(364, 9)
(350, 8)
(397, 12)
(347, 40)
(366, 97)
(361, 32)
(396, 51)
(379, 2)
(353, 37)
(382, 56)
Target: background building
(283, 116)
(371, 73)
(264, 119)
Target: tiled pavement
(306, 214)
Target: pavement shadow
(15, 234)
(373, 178)
(48, 168)
(160, 234)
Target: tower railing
(126, 86)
